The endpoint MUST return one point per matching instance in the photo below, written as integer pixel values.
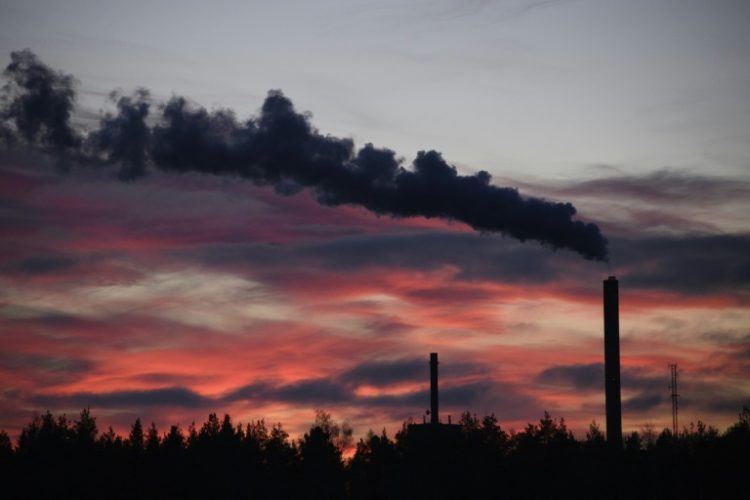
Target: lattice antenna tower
(674, 397)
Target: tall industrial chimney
(612, 362)
(434, 389)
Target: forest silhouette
(56, 457)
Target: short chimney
(434, 419)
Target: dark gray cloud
(387, 325)
(463, 396)
(281, 148)
(578, 376)
(663, 187)
(721, 404)
(316, 391)
(57, 365)
(638, 204)
(477, 257)
(451, 294)
(311, 391)
(642, 402)
(687, 264)
(173, 379)
(169, 396)
(42, 264)
(384, 373)
(319, 392)
(690, 264)
(480, 395)
(742, 352)
(651, 390)
(341, 389)
(590, 376)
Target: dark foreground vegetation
(59, 458)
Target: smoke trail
(39, 101)
(279, 148)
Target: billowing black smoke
(39, 102)
(279, 148)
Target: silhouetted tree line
(59, 458)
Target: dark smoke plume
(279, 148)
(39, 102)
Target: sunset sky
(169, 290)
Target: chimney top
(612, 278)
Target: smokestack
(612, 362)
(434, 389)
